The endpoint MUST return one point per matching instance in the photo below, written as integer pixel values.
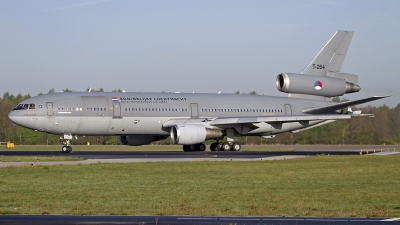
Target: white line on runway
(392, 219)
(384, 153)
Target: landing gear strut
(66, 148)
(230, 145)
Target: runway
(171, 220)
(298, 151)
(302, 150)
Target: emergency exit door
(288, 110)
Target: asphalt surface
(298, 151)
(161, 220)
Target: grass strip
(37, 159)
(325, 186)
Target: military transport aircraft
(190, 119)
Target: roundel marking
(317, 85)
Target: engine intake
(314, 85)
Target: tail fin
(331, 56)
(329, 61)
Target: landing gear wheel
(213, 147)
(191, 148)
(219, 147)
(236, 147)
(69, 149)
(185, 148)
(64, 149)
(201, 147)
(226, 146)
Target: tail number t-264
(318, 66)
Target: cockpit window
(25, 106)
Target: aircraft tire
(213, 147)
(219, 147)
(191, 148)
(236, 147)
(185, 148)
(69, 148)
(226, 147)
(201, 147)
(64, 149)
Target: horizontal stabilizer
(333, 107)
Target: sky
(192, 46)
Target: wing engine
(188, 134)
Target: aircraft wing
(333, 107)
(232, 121)
(274, 119)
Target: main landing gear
(66, 148)
(226, 146)
(196, 147)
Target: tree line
(383, 128)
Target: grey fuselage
(119, 113)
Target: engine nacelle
(139, 139)
(189, 134)
(314, 85)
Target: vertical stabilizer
(331, 56)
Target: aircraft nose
(14, 117)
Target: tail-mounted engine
(314, 85)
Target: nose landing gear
(66, 148)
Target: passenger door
(194, 110)
(116, 110)
(49, 106)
